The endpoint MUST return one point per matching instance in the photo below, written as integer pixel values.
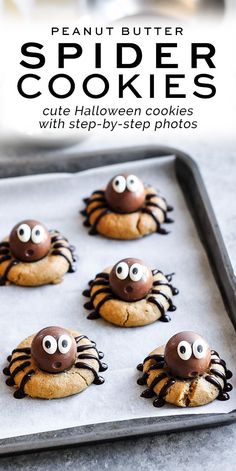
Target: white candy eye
(38, 234)
(199, 349)
(119, 184)
(24, 233)
(184, 350)
(49, 344)
(122, 271)
(133, 183)
(136, 272)
(64, 343)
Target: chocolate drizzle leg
(5, 255)
(96, 314)
(26, 350)
(4, 244)
(160, 400)
(154, 217)
(59, 245)
(93, 230)
(20, 392)
(158, 363)
(13, 263)
(216, 375)
(84, 355)
(25, 362)
(101, 204)
(148, 393)
(149, 204)
(97, 379)
(164, 316)
(158, 283)
(14, 360)
(90, 305)
(103, 280)
(157, 290)
(98, 197)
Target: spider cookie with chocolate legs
(54, 363)
(130, 294)
(185, 372)
(34, 256)
(126, 209)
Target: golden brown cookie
(147, 219)
(191, 391)
(152, 307)
(48, 270)
(74, 374)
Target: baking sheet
(55, 200)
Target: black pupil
(21, 232)
(135, 271)
(182, 349)
(131, 181)
(200, 348)
(119, 270)
(64, 343)
(117, 182)
(37, 233)
(47, 344)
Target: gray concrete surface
(210, 449)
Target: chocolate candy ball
(187, 355)
(29, 241)
(125, 193)
(54, 349)
(131, 279)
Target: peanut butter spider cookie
(54, 363)
(126, 209)
(34, 256)
(130, 294)
(185, 372)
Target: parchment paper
(55, 200)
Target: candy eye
(122, 271)
(184, 350)
(24, 233)
(199, 350)
(119, 184)
(49, 344)
(64, 343)
(38, 234)
(133, 183)
(136, 272)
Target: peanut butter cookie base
(126, 226)
(51, 386)
(49, 270)
(132, 314)
(183, 392)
